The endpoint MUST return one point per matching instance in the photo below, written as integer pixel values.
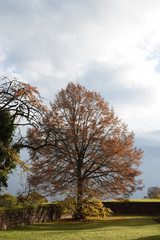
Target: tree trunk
(79, 214)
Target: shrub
(31, 199)
(95, 208)
(125, 200)
(91, 207)
(7, 200)
(36, 198)
(158, 196)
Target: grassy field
(111, 228)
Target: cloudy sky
(109, 46)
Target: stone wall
(144, 208)
(24, 216)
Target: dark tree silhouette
(8, 155)
(20, 105)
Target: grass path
(113, 228)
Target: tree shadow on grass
(70, 225)
(155, 237)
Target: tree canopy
(7, 152)
(22, 101)
(153, 192)
(89, 150)
(20, 105)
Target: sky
(108, 46)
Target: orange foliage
(88, 149)
(22, 101)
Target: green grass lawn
(117, 228)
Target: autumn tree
(153, 192)
(22, 101)
(89, 150)
(20, 105)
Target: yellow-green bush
(95, 208)
(91, 207)
(158, 196)
(31, 199)
(7, 200)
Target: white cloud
(49, 43)
(112, 47)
